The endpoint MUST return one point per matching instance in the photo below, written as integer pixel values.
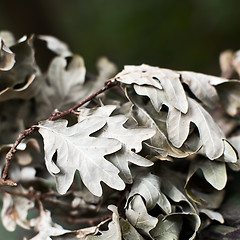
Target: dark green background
(182, 35)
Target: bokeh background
(181, 35)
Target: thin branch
(4, 181)
(11, 152)
(107, 86)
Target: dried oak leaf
(15, 210)
(77, 150)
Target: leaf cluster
(146, 159)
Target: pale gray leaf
(172, 192)
(213, 215)
(174, 90)
(160, 78)
(149, 187)
(55, 45)
(139, 75)
(114, 229)
(229, 154)
(168, 228)
(131, 138)
(138, 216)
(29, 90)
(24, 67)
(76, 150)
(45, 226)
(225, 60)
(7, 57)
(196, 191)
(66, 81)
(229, 93)
(159, 141)
(8, 38)
(202, 86)
(106, 70)
(211, 135)
(104, 111)
(214, 172)
(157, 97)
(15, 210)
(121, 158)
(128, 231)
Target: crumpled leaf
(113, 232)
(202, 87)
(45, 226)
(138, 216)
(23, 80)
(211, 136)
(229, 93)
(65, 84)
(175, 194)
(7, 57)
(114, 229)
(213, 215)
(128, 231)
(230, 154)
(15, 210)
(76, 150)
(148, 117)
(168, 228)
(8, 38)
(213, 171)
(204, 191)
(149, 187)
(160, 78)
(55, 45)
(29, 90)
(156, 96)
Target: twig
(108, 85)
(4, 181)
(11, 152)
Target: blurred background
(181, 35)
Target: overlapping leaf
(45, 226)
(211, 136)
(150, 118)
(149, 187)
(138, 216)
(65, 85)
(131, 139)
(23, 79)
(159, 78)
(7, 59)
(76, 150)
(15, 210)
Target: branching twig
(4, 181)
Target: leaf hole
(54, 157)
(155, 78)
